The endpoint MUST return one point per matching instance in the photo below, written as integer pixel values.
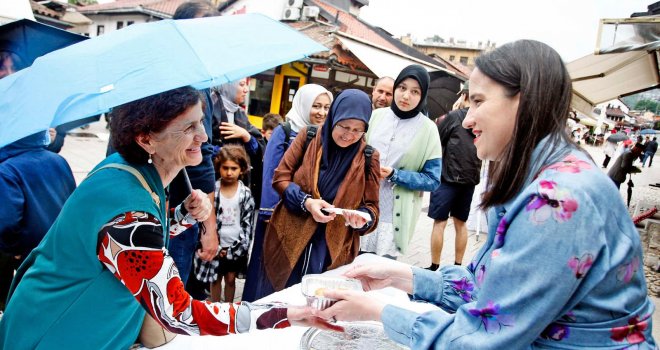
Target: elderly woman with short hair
(104, 262)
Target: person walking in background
(460, 174)
(235, 216)
(577, 135)
(381, 96)
(34, 184)
(310, 106)
(624, 165)
(336, 169)
(649, 151)
(268, 124)
(640, 145)
(609, 148)
(562, 267)
(410, 154)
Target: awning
(381, 61)
(588, 121)
(628, 34)
(600, 78)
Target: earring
(149, 160)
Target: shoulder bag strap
(135, 173)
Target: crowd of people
(192, 196)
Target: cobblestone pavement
(84, 152)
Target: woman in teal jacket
(104, 263)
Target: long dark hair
(536, 71)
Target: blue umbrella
(93, 76)
(648, 132)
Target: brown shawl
(288, 234)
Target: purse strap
(135, 173)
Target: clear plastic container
(314, 286)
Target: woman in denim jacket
(562, 266)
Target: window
(100, 29)
(120, 25)
(452, 58)
(464, 60)
(261, 89)
(128, 23)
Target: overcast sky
(569, 26)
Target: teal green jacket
(63, 297)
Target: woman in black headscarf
(410, 153)
(331, 171)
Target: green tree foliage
(648, 105)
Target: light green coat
(407, 203)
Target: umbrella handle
(187, 179)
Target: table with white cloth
(289, 338)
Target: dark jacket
(34, 184)
(253, 178)
(621, 167)
(460, 164)
(651, 147)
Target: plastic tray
(312, 286)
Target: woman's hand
(314, 207)
(304, 316)
(385, 171)
(353, 219)
(352, 306)
(198, 205)
(233, 131)
(379, 276)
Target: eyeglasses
(190, 129)
(347, 130)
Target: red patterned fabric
(131, 246)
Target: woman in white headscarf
(310, 107)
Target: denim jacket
(561, 268)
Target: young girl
(235, 212)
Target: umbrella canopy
(648, 132)
(29, 39)
(442, 93)
(618, 137)
(93, 76)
